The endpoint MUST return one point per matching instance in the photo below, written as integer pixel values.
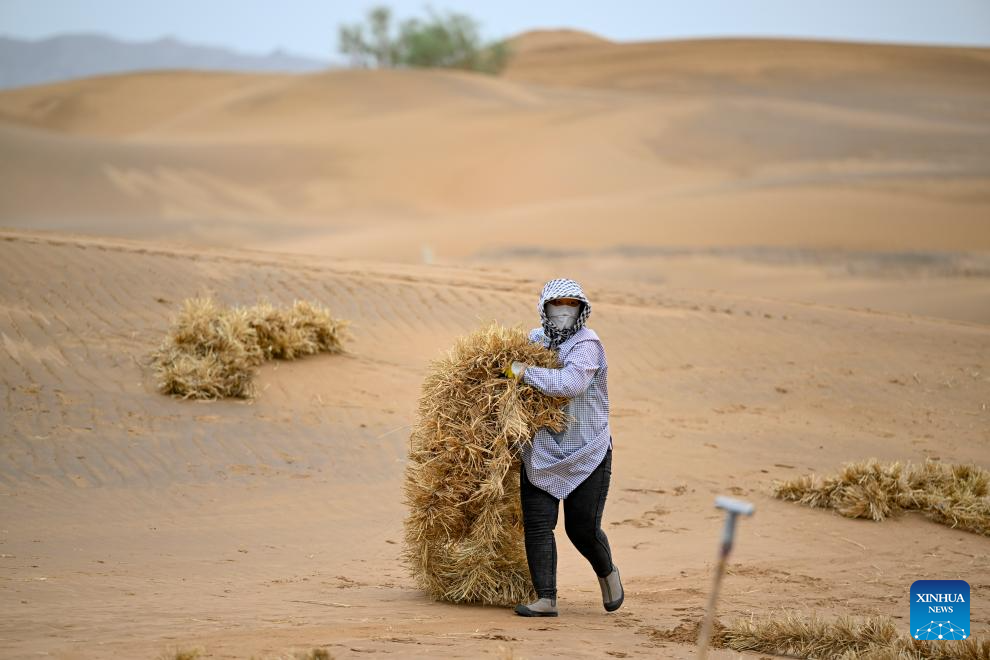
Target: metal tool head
(734, 506)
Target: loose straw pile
(954, 495)
(211, 351)
(845, 638)
(463, 533)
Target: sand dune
(135, 522)
(778, 66)
(583, 145)
(534, 41)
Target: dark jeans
(583, 510)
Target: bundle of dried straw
(846, 638)
(954, 495)
(463, 533)
(211, 351)
(799, 635)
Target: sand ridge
(336, 158)
(710, 148)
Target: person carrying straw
(574, 465)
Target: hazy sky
(309, 27)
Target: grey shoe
(612, 593)
(541, 607)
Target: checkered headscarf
(562, 288)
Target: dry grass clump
(846, 638)
(954, 495)
(905, 649)
(811, 637)
(181, 654)
(463, 533)
(314, 654)
(211, 351)
(303, 329)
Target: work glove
(515, 370)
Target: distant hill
(66, 57)
(560, 39)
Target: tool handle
(705, 636)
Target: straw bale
(303, 329)
(952, 494)
(463, 532)
(846, 638)
(973, 648)
(211, 351)
(786, 633)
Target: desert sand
(786, 245)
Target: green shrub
(441, 40)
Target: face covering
(553, 291)
(563, 316)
